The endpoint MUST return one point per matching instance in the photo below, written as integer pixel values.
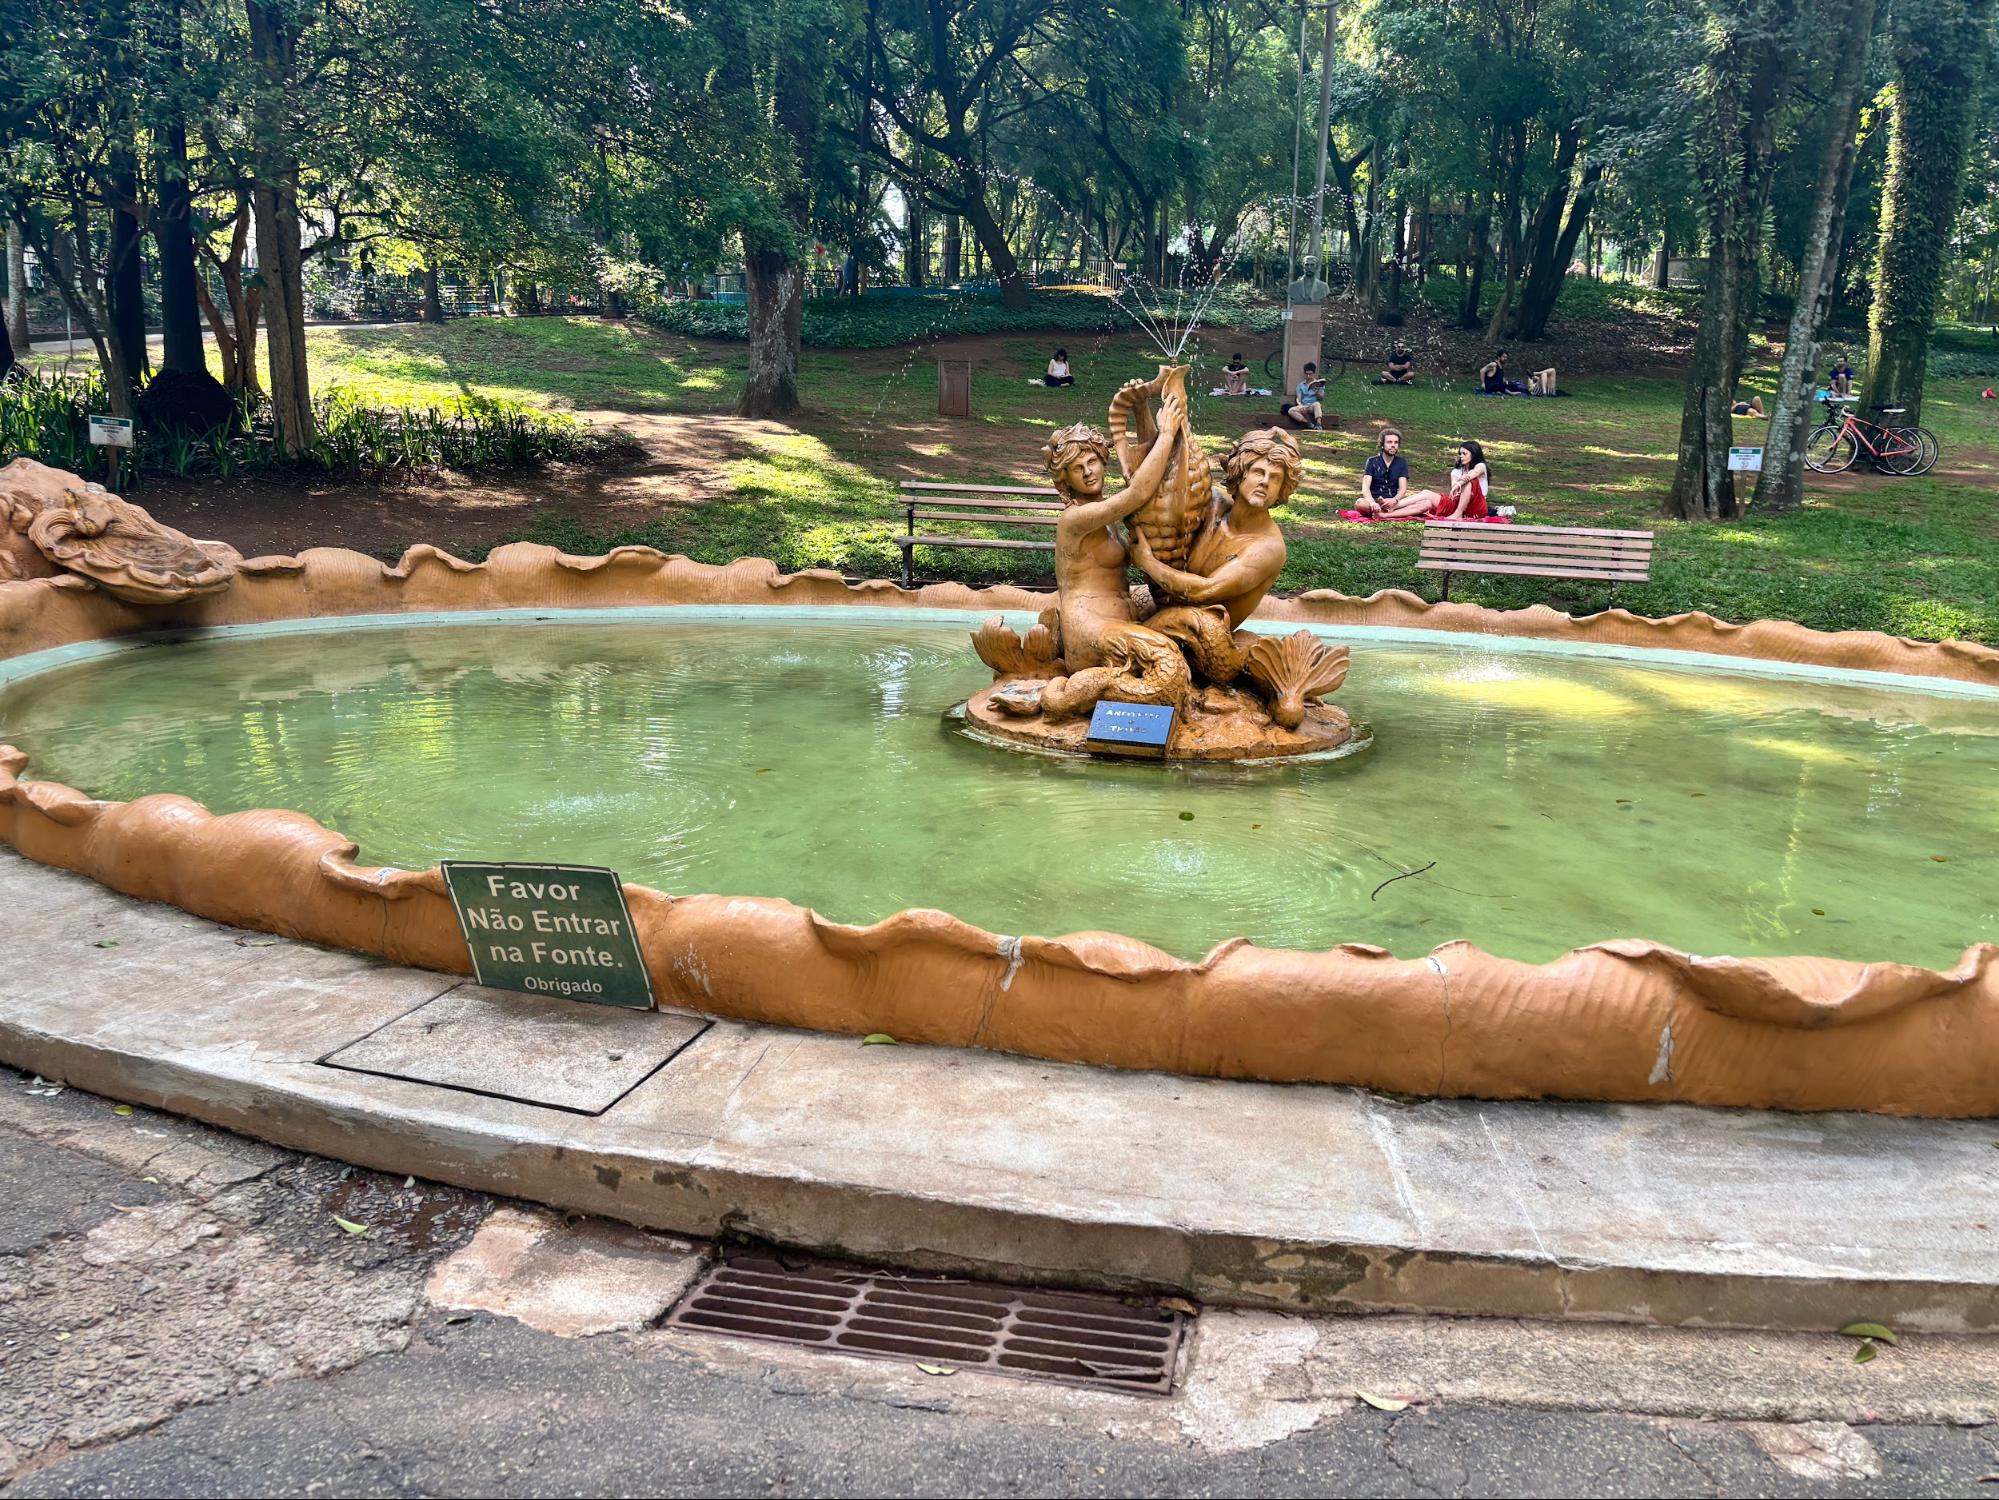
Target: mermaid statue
(1209, 554)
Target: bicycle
(1837, 443)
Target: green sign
(559, 930)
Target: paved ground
(182, 1313)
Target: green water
(1554, 799)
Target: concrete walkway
(1232, 1192)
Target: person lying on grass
(1463, 500)
(1753, 407)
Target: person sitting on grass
(1384, 481)
(1465, 499)
(1308, 410)
(1235, 377)
(1492, 379)
(1753, 407)
(1840, 381)
(1400, 368)
(1058, 370)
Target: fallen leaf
(1818, 911)
(409, 1182)
(1865, 1352)
(123, 1109)
(105, 943)
(937, 1369)
(350, 1226)
(1988, 1478)
(1381, 1403)
(879, 1039)
(1179, 1305)
(1943, 859)
(61, 1337)
(1870, 1331)
(256, 942)
(763, 770)
(149, 1179)
(1186, 817)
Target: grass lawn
(1911, 557)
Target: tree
(1940, 49)
(1781, 484)
(1738, 90)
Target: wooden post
(954, 387)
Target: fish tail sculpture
(1172, 518)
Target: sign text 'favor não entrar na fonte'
(560, 930)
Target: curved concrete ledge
(936, 1158)
(1625, 1020)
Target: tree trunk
(124, 277)
(274, 200)
(775, 284)
(1662, 263)
(915, 245)
(1390, 312)
(1509, 235)
(1781, 484)
(173, 232)
(17, 289)
(431, 309)
(954, 250)
(1940, 47)
(1538, 298)
(1741, 88)
(1545, 232)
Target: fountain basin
(1870, 1026)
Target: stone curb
(936, 1158)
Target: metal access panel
(549, 1053)
(1075, 1338)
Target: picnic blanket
(1252, 391)
(1354, 515)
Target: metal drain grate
(1070, 1337)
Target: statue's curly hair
(1066, 443)
(1274, 444)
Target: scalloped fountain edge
(1614, 1021)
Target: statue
(49, 525)
(1209, 554)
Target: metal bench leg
(908, 578)
(1445, 597)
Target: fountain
(1210, 553)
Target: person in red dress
(1465, 500)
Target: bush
(47, 418)
(888, 322)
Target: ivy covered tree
(1941, 48)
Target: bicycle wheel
(1331, 368)
(1273, 368)
(1830, 450)
(1931, 450)
(1900, 452)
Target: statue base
(1225, 726)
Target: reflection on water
(1562, 800)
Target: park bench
(1539, 551)
(925, 504)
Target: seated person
(1840, 381)
(1308, 410)
(1753, 407)
(1400, 367)
(1492, 378)
(1465, 499)
(1058, 370)
(1235, 377)
(1384, 481)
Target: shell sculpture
(1296, 669)
(1171, 518)
(1010, 656)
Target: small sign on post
(1745, 460)
(558, 930)
(954, 387)
(1130, 728)
(111, 432)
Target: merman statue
(1211, 555)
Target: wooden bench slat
(1615, 576)
(1499, 536)
(972, 541)
(1031, 505)
(990, 520)
(981, 489)
(1472, 556)
(1557, 530)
